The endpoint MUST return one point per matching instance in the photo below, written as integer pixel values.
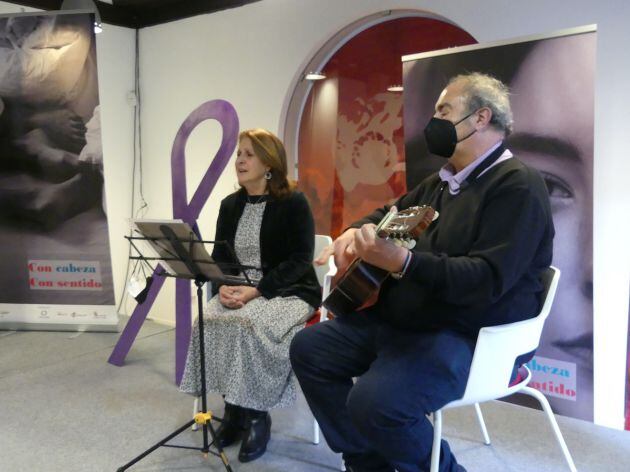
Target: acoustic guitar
(358, 286)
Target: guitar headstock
(404, 226)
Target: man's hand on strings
(342, 249)
(377, 251)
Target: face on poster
(552, 96)
(54, 242)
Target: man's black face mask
(441, 136)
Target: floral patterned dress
(247, 349)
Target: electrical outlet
(132, 100)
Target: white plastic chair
(324, 274)
(498, 347)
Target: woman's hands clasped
(236, 296)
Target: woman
(249, 328)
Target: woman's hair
(271, 152)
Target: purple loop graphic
(225, 114)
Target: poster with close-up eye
(552, 95)
(55, 264)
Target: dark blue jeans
(379, 422)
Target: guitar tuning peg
(398, 242)
(411, 244)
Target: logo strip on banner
(57, 317)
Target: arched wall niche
(344, 134)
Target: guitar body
(357, 288)
(359, 285)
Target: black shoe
(256, 437)
(231, 428)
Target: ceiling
(141, 13)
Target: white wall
(115, 50)
(250, 56)
(115, 60)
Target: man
(478, 264)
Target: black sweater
(287, 239)
(479, 264)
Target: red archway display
(351, 147)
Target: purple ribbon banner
(225, 114)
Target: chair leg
(315, 432)
(554, 425)
(482, 425)
(195, 426)
(437, 439)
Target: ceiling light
(314, 76)
(395, 88)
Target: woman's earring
(268, 175)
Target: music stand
(176, 246)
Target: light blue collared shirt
(447, 172)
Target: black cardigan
(287, 240)
(479, 264)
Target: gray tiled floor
(63, 407)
